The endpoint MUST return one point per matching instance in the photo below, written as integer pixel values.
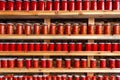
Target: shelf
(81, 37)
(59, 14)
(59, 70)
(58, 53)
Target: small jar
(19, 28)
(75, 28)
(44, 29)
(10, 28)
(68, 28)
(18, 5)
(83, 28)
(52, 28)
(36, 28)
(107, 28)
(26, 5)
(60, 29)
(33, 5)
(49, 5)
(10, 5)
(28, 29)
(2, 28)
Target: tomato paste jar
(58, 46)
(25, 46)
(114, 46)
(51, 46)
(12, 46)
(1, 46)
(101, 5)
(18, 5)
(78, 5)
(26, 5)
(41, 5)
(28, 62)
(60, 28)
(59, 77)
(39, 77)
(11, 62)
(20, 77)
(2, 5)
(83, 77)
(90, 29)
(15, 77)
(10, 28)
(75, 28)
(52, 28)
(76, 63)
(43, 63)
(6, 46)
(59, 63)
(102, 63)
(83, 63)
(44, 28)
(49, 63)
(108, 5)
(35, 77)
(64, 77)
(68, 28)
(93, 78)
(93, 5)
(72, 46)
(44, 46)
(20, 62)
(99, 28)
(117, 62)
(116, 28)
(65, 46)
(112, 63)
(33, 5)
(88, 46)
(112, 77)
(71, 5)
(78, 46)
(93, 63)
(67, 63)
(88, 77)
(35, 62)
(106, 78)
(107, 28)
(108, 47)
(10, 5)
(94, 47)
(54, 77)
(2, 28)
(31, 46)
(86, 5)
(19, 28)
(56, 5)
(116, 5)
(4, 63)
(19, 46)
(64, 5)
(117, 77)
(49, 5)
(28, 29)
(83, 28)
(36, 28)
(70, 77)
(101, 46)
(77, 77)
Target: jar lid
(26, 0)
(116, 24)
(77, 76)
(37, 43)
(11, 59)
(100, 76)
(84, 59)
(88, 43)
(83, 76)
(39, 75)
(60, 24)
(58, 59)
(114, 43)
(59, 75)
(93, 59)
(64, 43)
(10, 24)
(35, 58)
(58, 42)
(103, 59)
(20, 59)
(52, 24)
(19, 23)
(101, 43)
(45, 75)
(117, 59)
(67, 24)
(76, 59)
(112, 59)
(12, 42)
(28, 58)
(19, 0)
(64, 75)
(20, 76)
(107, 43)
(51, 43)
(70, 76)
(43, 59)
(44, 24)
(118, 76)
(107, 24)
(44, 43)
(16, 76)
(2, 23)
(35, 75)
(25, 42)
(19, 43)
(95, 43)
(50, 59)
(27, 23)
(36, 23)
(67, 59)
(1, 76)
(71, 43)
(78, 43)
(98, 24)
(83, 23)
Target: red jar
(101, 47)
(4, 63)
(1, 47)
(59, 63)
(11, 63)
(2, 28)
(100, 77)
(12, 46)
(20, 63)
(15, 77)
(88, 46)
(19, 28)
(58, 46)
(56, 5)
(49, 63)
(117, 77)
(60, 29)
(71, 5)
(35, 77)
(78, 46)
(83, 63)
(100, 5)
(10, 5)
(41, 5)
(93, 78)
(49, 5)
(65, 46)
(86, 5)
(33, 5)
(64, 5)
(35, 62)
(44, 28)
(44, 46)
(37, 46)
(28, 28)
(93, 63)
(94, 47)
(18, 5)
(116, 5)
(83, 28)
(39, 77)
(68, 28)
(90, 29)
(75, 28)
(77, 77)
(112, 63)
(67, 63)
(26, 5)
(36, 28)
(25, 46)
(54, 77)
(64, 77)
(117, 63)
(76, 63)
(49, 77)
(107, 28)
(59, 77)
(108, 5)
(6, 46)
(25, 77)
(116, 28)
(106, 78)
(102, 63)
(114, 46)
(99, 28)
(10, 28)
(93, 4)
(30, 77)
(43, 63)
(70, 77)
(112, 77)
(28, 62)
(19, 46)
(52, 28)
(108, 47)
(72, 46)
(31, 46)
(88, 78)
(20, 77)
(78, 5)
(83, 77)
(2, 5)
(51, 46)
